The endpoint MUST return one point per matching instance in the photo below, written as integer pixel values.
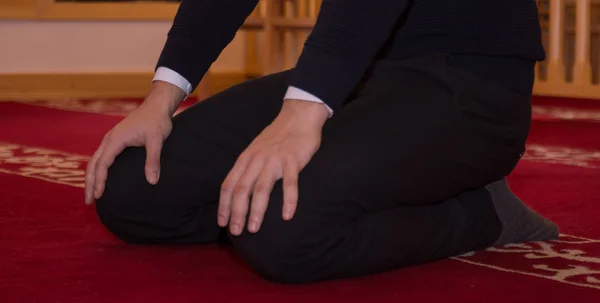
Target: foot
(519, 222)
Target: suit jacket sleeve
(346, 38)
(201, 30)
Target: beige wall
(88, 47)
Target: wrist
(306, 112)
(165, 96)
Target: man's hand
(149, 125)
(281, 150)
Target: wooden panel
(18, 9)
(18, 3)
(17, 13)
(96, 85)
(110, 11)
(567, 90)
(271, 39)
(253, 65)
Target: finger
(260, 199)
(90, 173)
(153, 149)
(241, 195)
(111, 151)
(225, 197)
(290, 190)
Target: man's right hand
(148, 126)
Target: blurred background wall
(93, 46)
(108, 48)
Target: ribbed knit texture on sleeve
(347, 36)
(200, 32)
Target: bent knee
(113, 213)
(272, 261)
(136, 218)
(124, 191)
(282, 254)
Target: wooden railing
(571, 36)
(276, 32)
(277, 29)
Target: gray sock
(519, 222)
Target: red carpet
(53, 248)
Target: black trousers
(397, 181)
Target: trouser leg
(398, 179)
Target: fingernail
(253, 226)
(287, 215)
(222, 221)
(235, 229)
(153, 178)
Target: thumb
(153, 149)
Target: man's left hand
(281, 150)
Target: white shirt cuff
(299, 94)
(171, 76)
